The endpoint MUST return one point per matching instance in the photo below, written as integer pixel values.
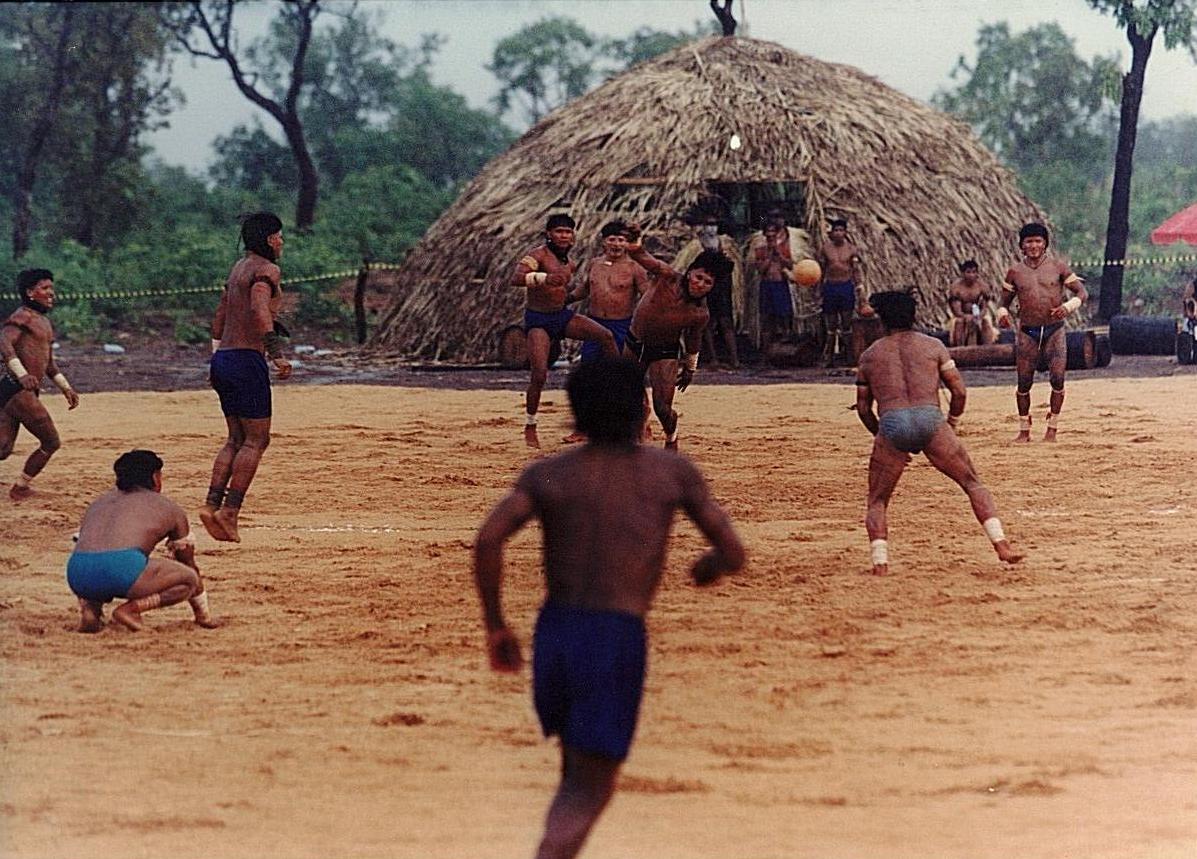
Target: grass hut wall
(919, 190)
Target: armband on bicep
(949, 364)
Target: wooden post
(359, 300)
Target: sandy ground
(801, 709)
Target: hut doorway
(745, 204)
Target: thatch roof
(920, 191)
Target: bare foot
(574, 437)
(671, 445)
(226, 520)
(207, 516)
(1024, 437)
(19, 493)
(1007, 552)
(531, 438)
(881, 569)
(128, 617)
(91, 616)
(207, 621)
(1050, 435)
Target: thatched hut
(815, 138)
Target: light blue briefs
(104, 576)
(910, 429)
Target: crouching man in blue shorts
(116, 538)
(603, 561)
(902, 371)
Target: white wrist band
(62, 383)
(215, 344)
(535, 278)
(1002, 312)
(1072, 304)
(691, 362)
(18, 369)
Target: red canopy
(1181, 227)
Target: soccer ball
(807, 272)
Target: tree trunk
(38, 135)
(1118, 225)
(309, 179)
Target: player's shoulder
(22, 317)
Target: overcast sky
(911, 45)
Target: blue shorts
(775, 298)
(242, 379)
(552, 323)
(909, 430)
(592, 351)
(588, 676)
(9, 388)
(839, 297)
(104, 576)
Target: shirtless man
(841, 286)
(773, 263)
(26, 339)
(902, 372)
(613, 283)
(669, 318)
(1039, 283)
(116, 539)
(968, 298)
(244, 330)
(603, 562)
(545, 272)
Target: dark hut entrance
(745, 204)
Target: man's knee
(50, 443)
(1024, 384)
(1057, 383)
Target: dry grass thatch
(920, 191)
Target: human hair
(136, 470)
(1033, 230)
(31, 277)
(967, 264)
(607, 399)
(896, 309)
(713, 262)
(613, 228)
(256, 228)
(838, 222)
(559, 220)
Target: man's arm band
(1002, 312)
(1073, 278)
(1072, 304)
(273, 344)
(18, 369)
(535, 278)
(530, 262)
(691, 361)
(62, 383)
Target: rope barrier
(393, 266)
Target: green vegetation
(391, 149)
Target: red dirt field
(799, 709)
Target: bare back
(140, 518)
(607, 514)
(902, 370)
(251, 300)
(665, 314)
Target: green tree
(1032, 100)
(1177, 20)
(271, 73)
(545, 65)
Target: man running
(545, 272)
(1039, 283)
(113, 557)
(670, 318)
(902, 372)
(244, 332)
(603, 561)
(26, 341)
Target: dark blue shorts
(552, 323)
(592, 351)
(588, 676)
(104, 576)
(775, 298)
(242, 379)
(9, 388)
(839, 297)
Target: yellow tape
(1133, 261)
